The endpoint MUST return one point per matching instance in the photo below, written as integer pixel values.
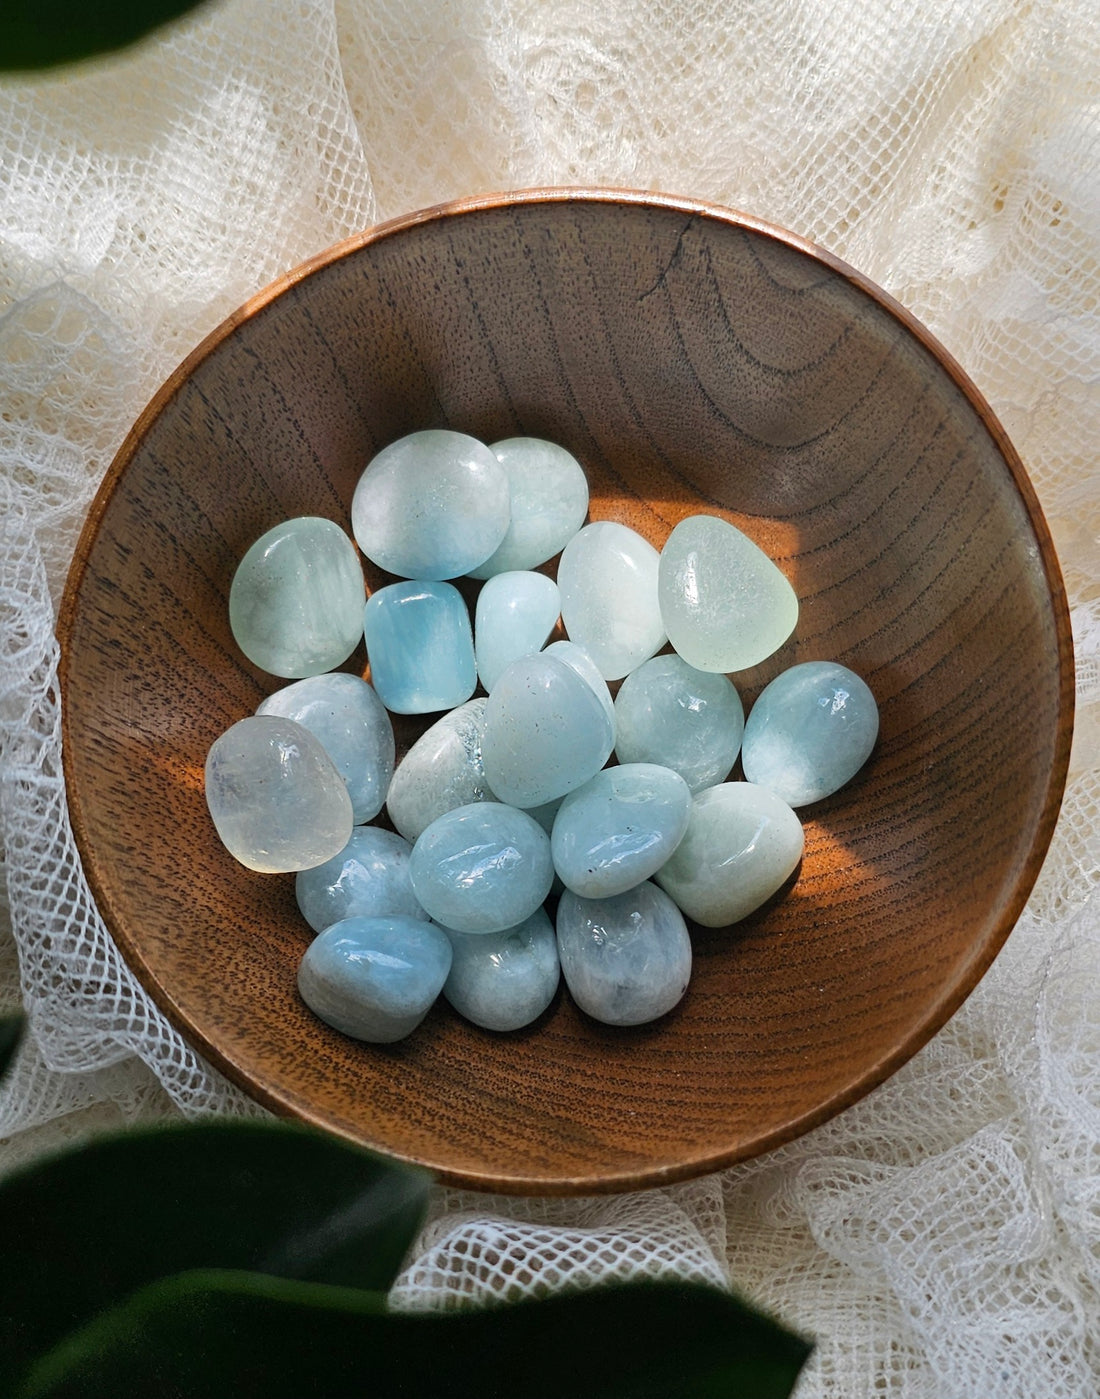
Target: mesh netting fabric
(941, 1238)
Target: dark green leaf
(11, 1032)
(41, 33)
(83, 1230)
(217, 1336)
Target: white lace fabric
(940, 1239)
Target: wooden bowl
(694, 360)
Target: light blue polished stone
(351, 722)
(443, 769)
(482, 868)
(619, 828)
(434, 504)
(549, 500)
(375, 978)
(690, 720)
(514, 615)
(369, 878)
(810, 732)
(420, 646)
(578, 659)
(296, 599)
(546, 732)
(627, 959)
(503, 981)
(608, 580)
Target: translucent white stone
(420, 645)
(689, 720)
(369, 878)
(549, 495)
(442, 770)
(546, 732)
(578, 659)
(742, 843)
(503, 981)
(619, 828)
(626, 959)
(352, 724)
(810, 731)
(275, 797)
(434, 504)
(608, 580)
(723, 602)
(375, 978)
(515, 613)
(296, 599)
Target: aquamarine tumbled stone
(375, 978)
(578, 659)
(608, 579)
(296, 599)
(546, 732)
(443, 769)
(420, 646)
(549, 500)
(724, 604)
(369, 878)
(810, 732)
(482, 868)
(742, 842)
(434, 504)
(275, 797)
(619, 828)
(689, 720)
(514, 615)
(626, 959)
(352, 724)
(503, 981)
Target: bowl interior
(693, 360)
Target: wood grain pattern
(693, 359)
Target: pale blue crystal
(546, 732)
(619, 828)
(434, 504)
(578, 659)
(549, 500)
(352, 724)
(690, 720)
(296, 599)
(420, 646)
(375, 978)
(369, 878)
(626, 959)
(810, 732)
(482, 868)
(443, 769)
(514, 615)
(608, 580)
(503, 981)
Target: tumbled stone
(578, 659)
(349, 719)
(434, 504)
(275, 797)
(810, 731)
(442, 770)
(608, 580)
(549, 499)
(515, 613)
(369, 878)
(420, 646)
(375, 978)
(503, 981)
(723, 602)
(742, 843)
(626, 959)
(296, 599)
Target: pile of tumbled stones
(508, 798)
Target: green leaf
(213, 1335)
(42, 33)
(11, 1033)
(83, 1230)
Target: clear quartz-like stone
(549, 495)
(369, 878)
(434, 504)
(810, 731)
(352, 724)
(626, 959)
(275, 797)
(503, 981)
(296, 599)
(690, 720)
(375, 978)
(741, 844)
(420, 646)
(723, 602)
(443, 769)
(514, 615)
(608, 580)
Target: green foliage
(43, 33)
